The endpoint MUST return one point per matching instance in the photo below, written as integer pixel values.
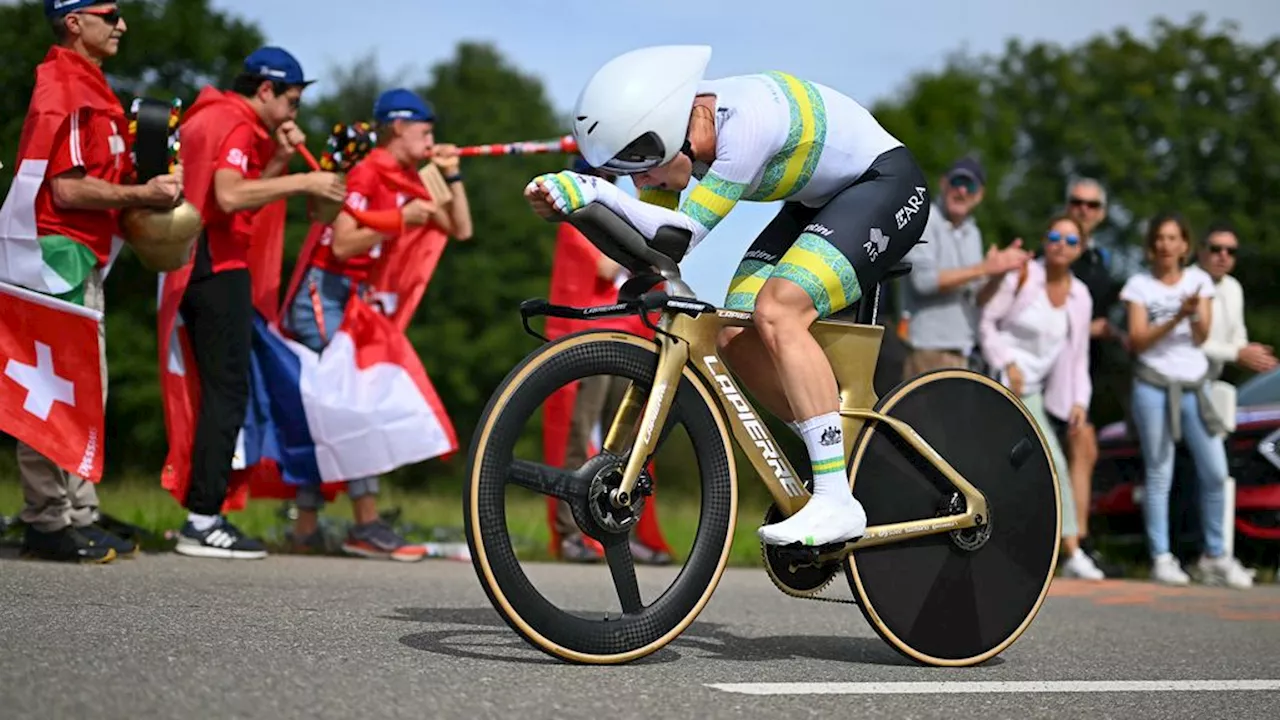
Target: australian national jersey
(777, 138)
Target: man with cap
(71, 183)
(950, 276)
(236, 146)
(337, 261)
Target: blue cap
(58, 8)
(402, 104)
(273, 63)
(970, 167)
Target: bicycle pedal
(806, 554)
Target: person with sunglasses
(1086, 203)
(951, 278)
(71, 182)
(1035, 332)
(1228, 340)
(236, 146)
(1170, 312)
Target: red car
(1253, 457)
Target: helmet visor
(643, 153)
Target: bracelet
(456, 177)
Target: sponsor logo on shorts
(877, 243)
(914, 204)
(818, 229)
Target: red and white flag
(51, 379)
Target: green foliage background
(1186, 118)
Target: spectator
(950, 278)
(75, 123)
(236, 147)
(339, 266)
(1035, 333)
(1228, 339)
(1087, 205)
(1170, 313)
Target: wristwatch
(456, 177)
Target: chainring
(803, 580)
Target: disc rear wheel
(961, 597)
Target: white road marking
(1053, 686)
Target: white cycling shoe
(824, 520)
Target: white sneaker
(824, 520)
(1225, 571)
(1080, 565)
(1165, 569)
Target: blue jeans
(333, 291)
(1150, 417)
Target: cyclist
(855, 203)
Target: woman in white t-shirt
(1035, 330)
(1169, 315)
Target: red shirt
(366, 190)
(246, 149)
(94, 143)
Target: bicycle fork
(672, 356)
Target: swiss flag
(51, 379)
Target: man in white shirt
(1228, 341)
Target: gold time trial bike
(960, 493)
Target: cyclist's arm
(705, 207)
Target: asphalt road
(169, 637)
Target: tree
(1184, 119)
(171, 49)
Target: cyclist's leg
(851, 243)
(742, 348)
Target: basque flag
(362, 407)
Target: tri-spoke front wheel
(497, 466)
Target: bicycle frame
(852, 350)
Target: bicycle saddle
(619, 240)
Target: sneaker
(822, 521)
(65, 545)
(99, 535)
(1080, 565)
(378, 540)
(1166, 570)
(1225, 571)
(223, 540)
(579, 548)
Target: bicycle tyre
(550, 629)
(931, 599)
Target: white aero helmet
(633, 114)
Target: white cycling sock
(824, 440)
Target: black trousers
(217, 310)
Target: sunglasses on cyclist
(1091, 204)
(1054, 236)
(1220, 249)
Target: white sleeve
(647, 218)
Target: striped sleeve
(71, 145)
(669, 199)
(712, 200)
